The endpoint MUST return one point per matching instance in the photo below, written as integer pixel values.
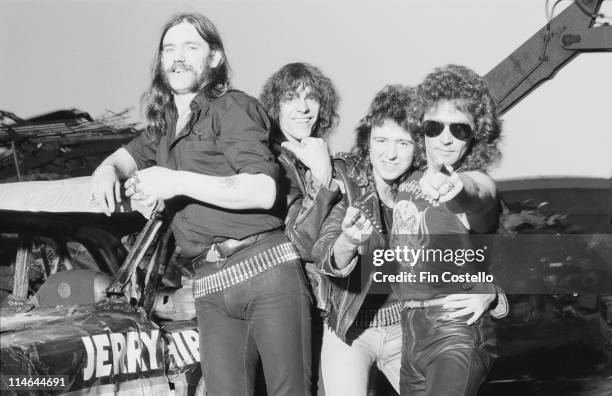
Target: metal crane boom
(540, 57)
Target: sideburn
(208, 72)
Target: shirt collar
(199, 102)
(277, 136)
(198, 105)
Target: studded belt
(432, 302)
(245, 269)
(386, 316)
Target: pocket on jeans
(205, 268)
(439, 316)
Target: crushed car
(106, 302)
(92, 303)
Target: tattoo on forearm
(228, 183)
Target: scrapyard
(95, 303)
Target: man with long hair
(362, 328)
(302, 103)
(205, 154)
(448, 344)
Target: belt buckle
(214, 254)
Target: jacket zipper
(345, 294)
(342, 303)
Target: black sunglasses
(460, 131)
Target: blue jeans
(267, 317)
(346, 367)
(444, 356)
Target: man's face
(391, 150)
(184, 55)
(445, 148)
(298, 115)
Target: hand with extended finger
(356, 227)
(440, 182)
(313, 153)
(152, 184)
(105, 188)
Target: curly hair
(284, 85)
(158, 98)
(468, 92)
(394, 102)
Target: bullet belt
(245, 269)
(432, 302)
(386, 316)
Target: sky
(96, 55)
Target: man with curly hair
(362, 327)
(448, 344)
(302, 103)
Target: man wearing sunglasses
(448, 133)
(448, 342)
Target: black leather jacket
(304, 204)
(350, 286)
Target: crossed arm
(241, 191)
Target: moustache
(179, 66)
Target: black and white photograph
(306, 197)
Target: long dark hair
(158, 98)
(284, 84)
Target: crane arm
(540, 57)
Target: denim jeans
(267, 317)
(444, 356)
(346, 366)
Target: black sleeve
(243, 137)
(143, 150)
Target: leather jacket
(349, 286)
(304, 204)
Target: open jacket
(304, 204)
(350, 285)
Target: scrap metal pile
(65, 143)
